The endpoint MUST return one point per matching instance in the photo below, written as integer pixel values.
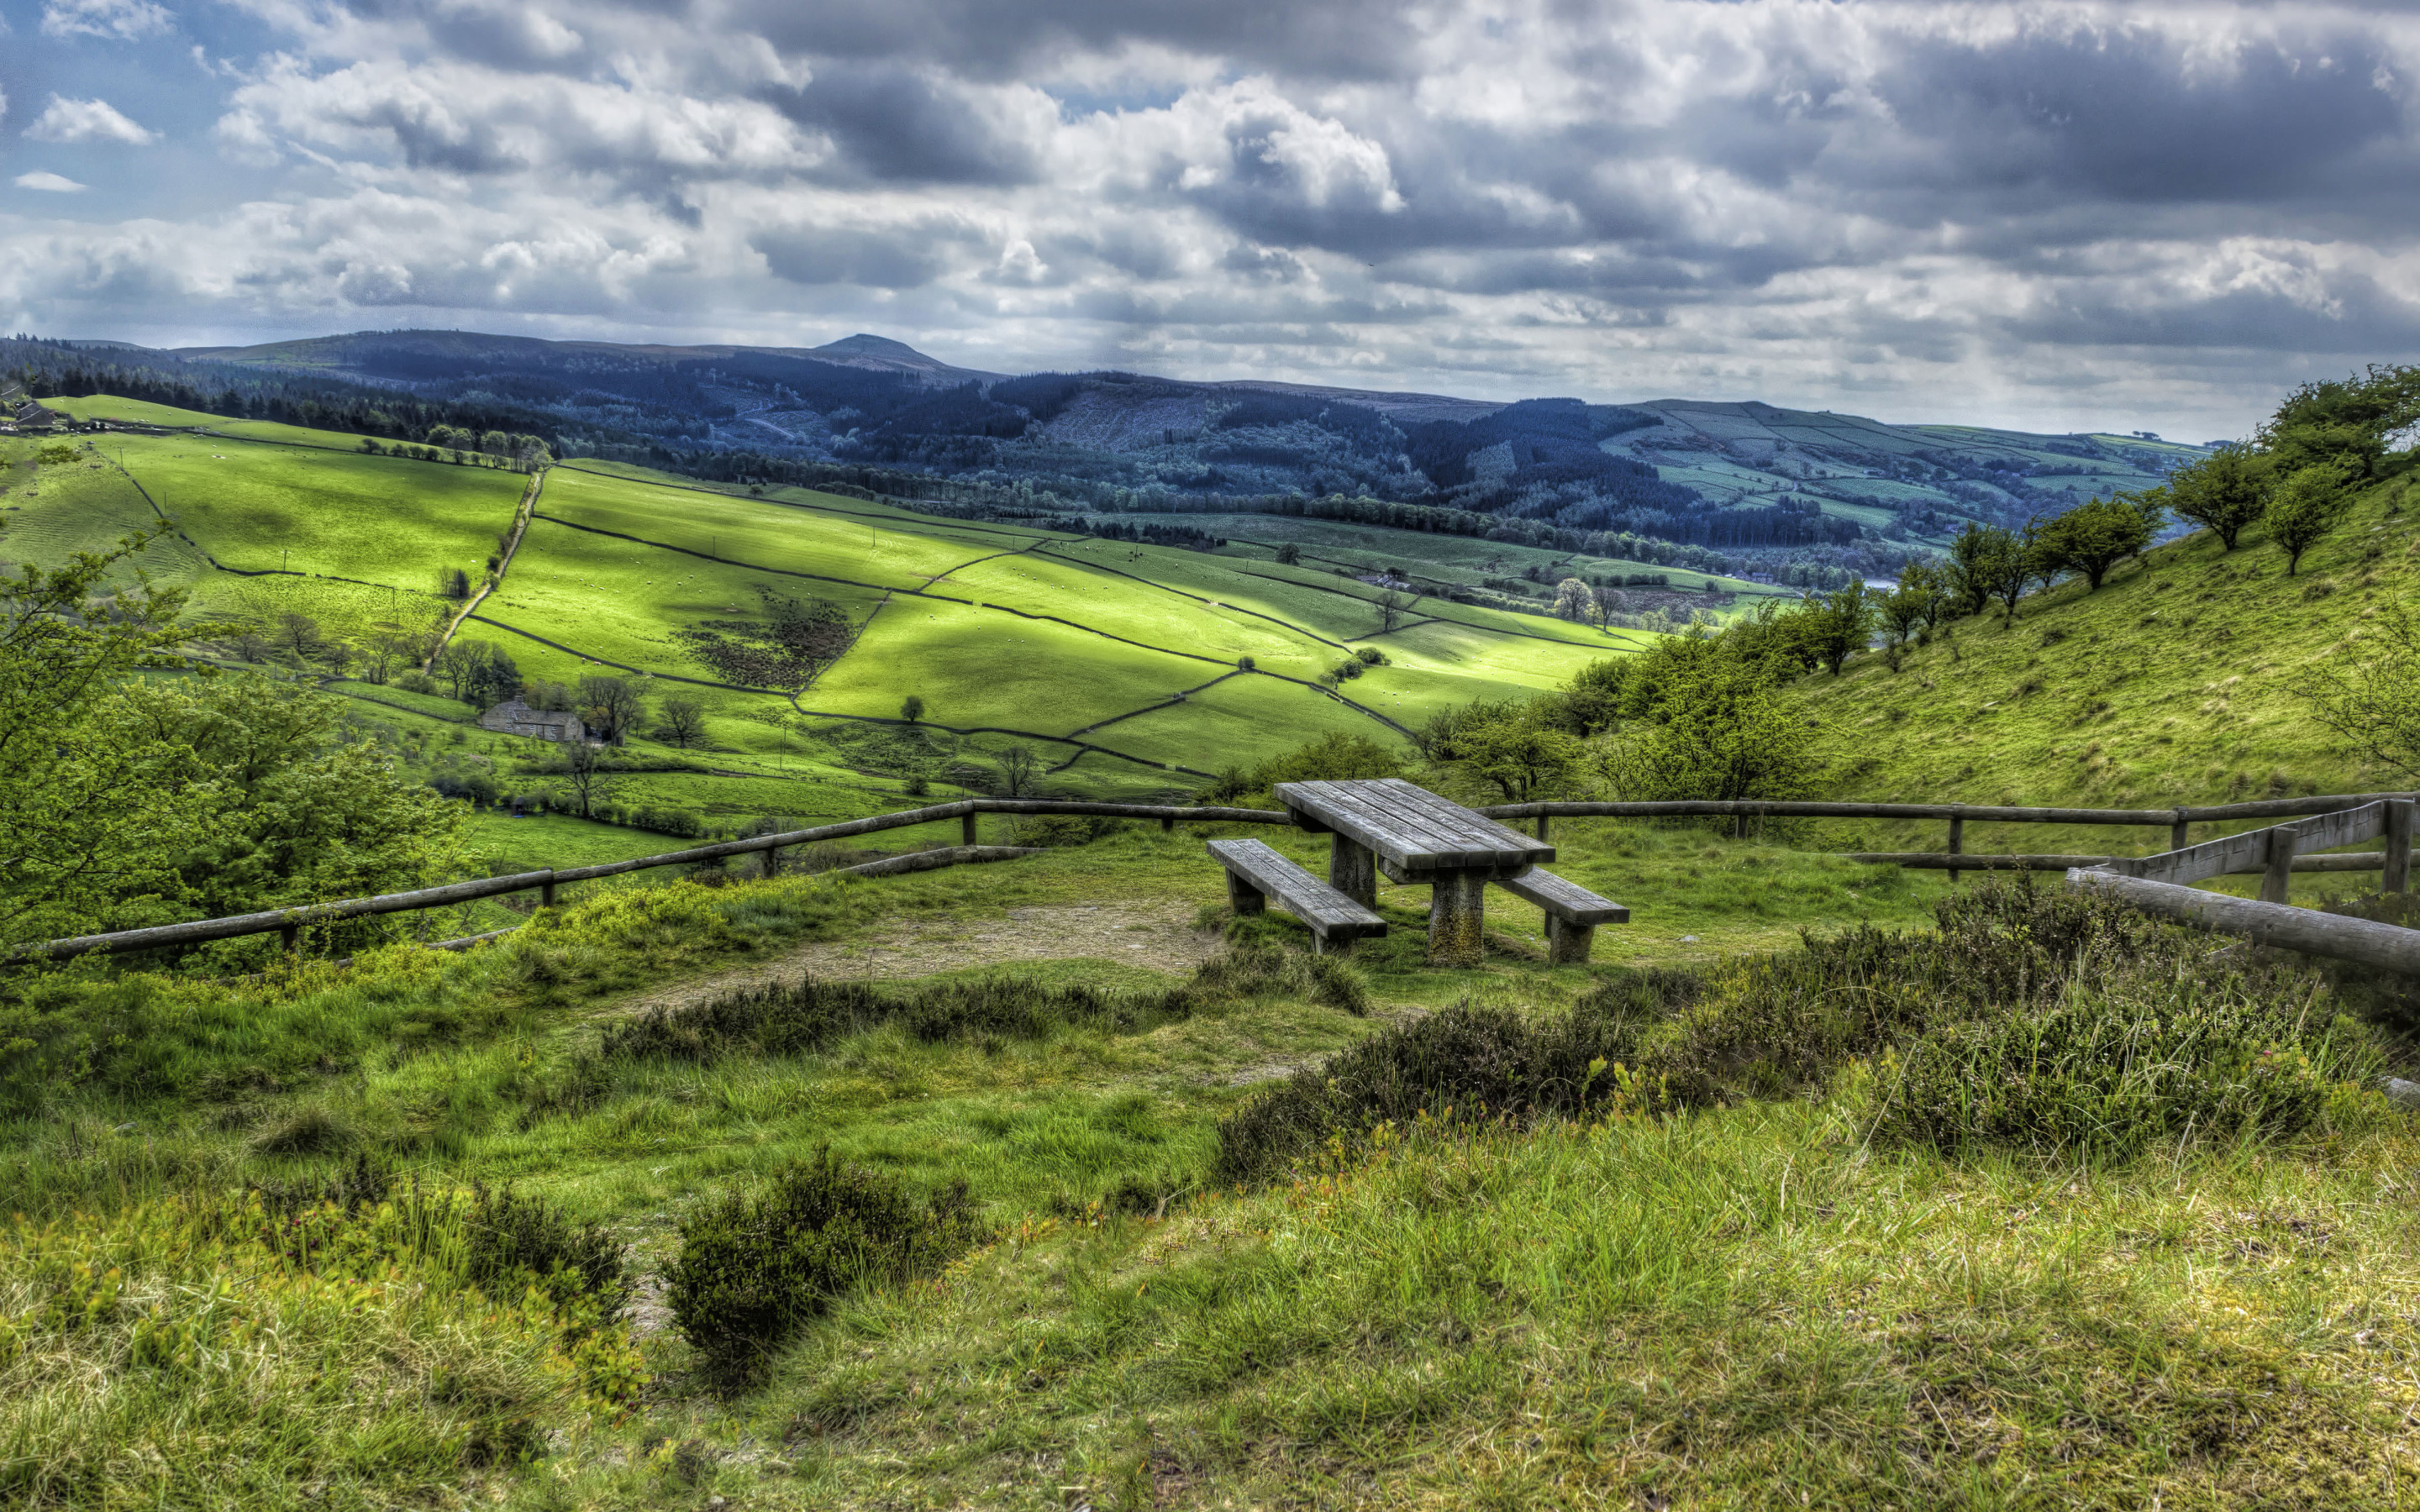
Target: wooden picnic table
(1387, 824)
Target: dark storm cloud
(896, 125)
(2127, 118)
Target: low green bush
(2044, 1018)
(755, 1265)
(2129, 1055)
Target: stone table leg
(1353, 869)
(1457, 915)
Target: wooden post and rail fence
(2159, 883)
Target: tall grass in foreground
(276, 1349)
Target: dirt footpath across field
(1142, 934)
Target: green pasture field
(1243, 721)
(133, 411)
(49, 512)
(381, 519)
(974, 667)
(1454, 558)
(796, 538)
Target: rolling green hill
(1127, 668)
(2171, 684)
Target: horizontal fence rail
(289, 922)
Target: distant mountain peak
(883, 354)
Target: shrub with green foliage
(754, 1266)
(2041, 1017)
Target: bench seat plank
(1329, 914)
(1413, 830)
(1565, 900)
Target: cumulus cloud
(85, 120)
(49, 182)
(2016, 209)
(123, 20)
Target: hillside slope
(2171, 684)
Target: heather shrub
(754, 1266)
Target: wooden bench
(1573, 913)
(1256, 873)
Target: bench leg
(1352, 870)
(1568, 945)
(1242, 897)
(1457, 919)
(1322, 945)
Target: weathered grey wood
(1413, 832)
(546, 890)
(933, 859)
(1986, 861)
(2327, 831)
(1569, 944)
(1168, 826)
(2231, 854)
(2388, 946)
(1957, 842)
(966, 829)
(1545, 820)
(1562, 898)
(2277, 877)
(1457, 919)
(1256, 873)
(2180, 833)
(1353, 869)
(2399, 817)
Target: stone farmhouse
(515, 717)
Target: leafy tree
(477, 672)
(682, 721)
(1573, 600)
(57, 453)
(2306, 507)
(2095, 536)
(2371, 700)
(912, 709)
(1289, 554)
(1901, 611)
(299, 808)
(1717, 726)
(1591, 701)
(1511, 743)
(2223, 492)
(612, 707)
(1390, 610)
(1975, 561)
(1836, 624)
(86, 829)
(453, 583)
(2344, 423)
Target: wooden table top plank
(1453, 841)
(1413, 840)
(1411, 827)
(1474, 827)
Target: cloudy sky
(2134, 216)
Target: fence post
(2177, 831)
(1542, 821)
(967, 828)
(772, 867)
(1168, 826)
(2398, 846)
(546, 891)
(289, 937)
(1957, 841)
(2279, 876)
